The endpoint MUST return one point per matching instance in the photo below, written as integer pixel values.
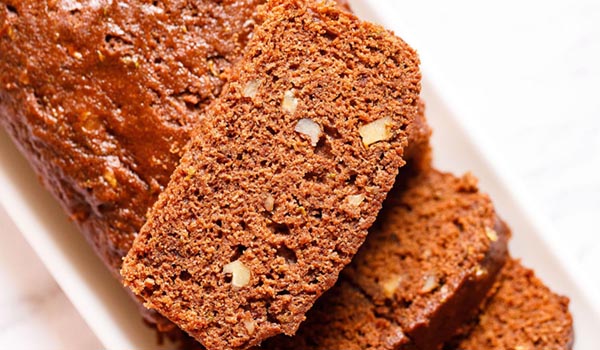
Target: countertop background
(527, 73)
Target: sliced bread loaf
(101, 98)
(285, 175)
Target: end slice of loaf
(521, 314)
(283, 179)
(425, 268)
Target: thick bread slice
(283, 179)
(418, 156)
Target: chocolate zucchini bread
(521, 314)
(101, 97)
(285, 175)
(418, 155)
(424, 269)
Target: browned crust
(101, 99)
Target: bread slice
(424, 269)
(279, 187)
(418, 154)
(521, 314)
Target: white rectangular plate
(113, 317)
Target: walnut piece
(251, 88)
(355, 200)
(269, 203)
(109, 176)
(491, 234)
(149, 282)
(430, 284)
(289, 102)
(309, 128)
(379, 130)
(426, 253)
(190, 171)
(90, 122)
(250, 326)
(240, 274)
(130, 61)
(390, 285)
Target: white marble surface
(528, 70)
(34, 312)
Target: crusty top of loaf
(425, 267)
(290, 204)
(101, 96)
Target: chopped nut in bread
(240, 273)
(376, 131)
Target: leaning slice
(283, 178)
(522, 314)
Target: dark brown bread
(521, 314)
(426, 266)
(101, 98)
(260, 194)
(418, 155)
(344, 318)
